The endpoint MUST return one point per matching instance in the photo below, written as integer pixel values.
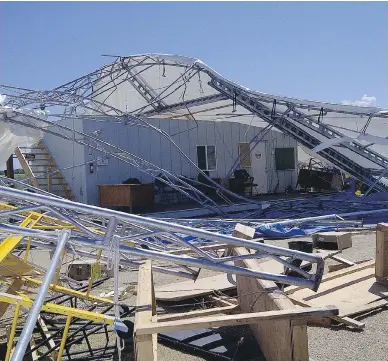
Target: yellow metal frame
(58, 309)
(12, 333)
(36, 220)
(8, 245)
(67, 291)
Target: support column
(10, 169)
(381, 268)
(145, 345)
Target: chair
(243, 175)
(166, 192)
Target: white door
(259, 167)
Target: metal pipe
(127, 261)
(204, 263)
(28, 329)
(110, 230)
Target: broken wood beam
(198, 313)
(235, 320)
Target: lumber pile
(278, 318)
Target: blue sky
(329, 51)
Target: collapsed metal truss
(90, 97)
(145, 238)
(89, 232)
(48, 222)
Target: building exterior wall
(187, 134)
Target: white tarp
(14, 135)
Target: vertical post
(381, 268)
(39, 300)
(145, 345)
(12, 332)
(64, 337)
(10, 169)
(27, 249)
(49, 181)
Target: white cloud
(365, 101)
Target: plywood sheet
(348, 292)
(190, 289)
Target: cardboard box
(332, 240)
(83, 270)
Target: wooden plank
(234, 320)
(279, 340)
(34, 354)
(337, 267)
(367, 307)
(222, 302)
(343, 260)
(349, 322)
(199, 313)
(381, 270)
(145, 344)
(351, 293)
(341, 319)
(27, 170)
(190, 289)
(337, 274)
(300, 346)
(46, 335)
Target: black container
(303, 246)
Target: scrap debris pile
(55, 308)
(80, 282)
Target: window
(206, 157)
(285, 158)
(244, 151)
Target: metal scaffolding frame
(134, 232)
(89, 97)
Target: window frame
(206, 156)
(294, 160)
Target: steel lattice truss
(35, 218)
(93, 228)
(135, 89)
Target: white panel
(222, 153)
(184, 143)
(259, 164)
(193, 141)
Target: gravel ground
(326, 344)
